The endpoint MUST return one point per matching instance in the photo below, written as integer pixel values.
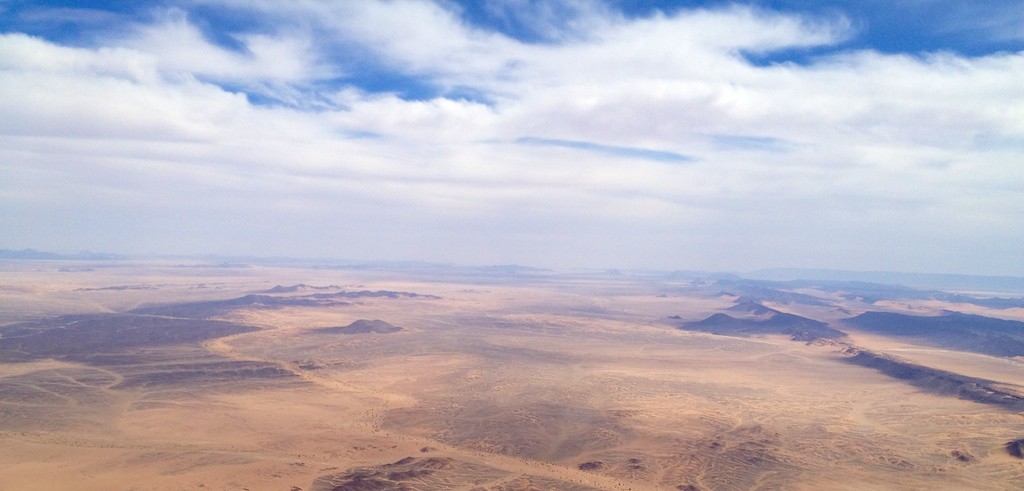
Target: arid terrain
(188, 375)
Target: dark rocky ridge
(937, 381)
(953, 330)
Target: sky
(727, 136)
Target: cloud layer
(605, 140)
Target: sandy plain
(574, 382)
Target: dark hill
(1015, 448)
(363, 326)
(953, 330)
(750, 305)
(797, 327)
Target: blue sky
(912, 27)
(717, 135)
(972, 28)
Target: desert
(195, 376)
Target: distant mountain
(783, 291)
(33, 254)
(299, 287)
(767, 291)
(414, 266)
(937, 281)
(28, 254)
(509, 269)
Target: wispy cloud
(748, 142)
(626, 152)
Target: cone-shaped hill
(362, 326)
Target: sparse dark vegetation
(591, 466)
(215, 308)
(80, 337)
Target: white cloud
(179, 47)
(29, 54)
(805, 164)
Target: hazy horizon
(701, 135)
